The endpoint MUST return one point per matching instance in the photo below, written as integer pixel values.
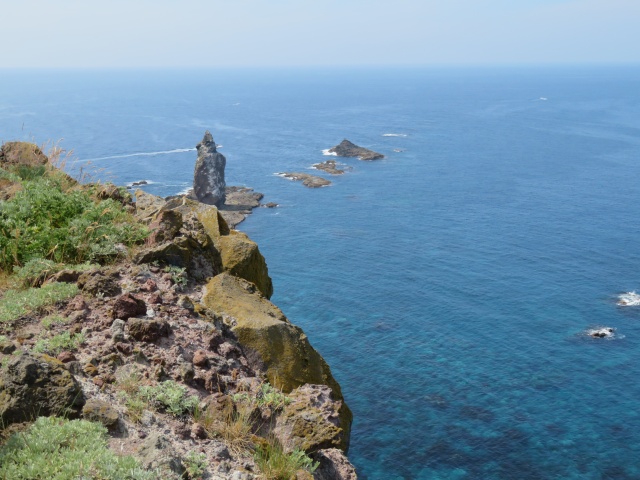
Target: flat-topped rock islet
(349, 149)
(308, 180)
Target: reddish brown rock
(66, 357)
(200, 358)
(154, 299)
(149, 286)
(127, 306)
(334, 465)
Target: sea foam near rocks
(629, 299)
(328, 153)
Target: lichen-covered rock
(22, 153)
(334, 465)
(242, 258)
(100, 282)
(164, 226)
(157, 453)
(145, 330)
(201, 260)
(96, 410)
(311, 421)
(127, 306)
(266, 334)
(35, 385)
(147, 205)
(208, 175)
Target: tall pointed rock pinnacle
(208, 176)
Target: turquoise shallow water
(447, 285)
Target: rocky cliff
(161, 331)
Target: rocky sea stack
(348, 149)
(208, 177)
(149, 322)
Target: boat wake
(394, 135)
(144, 154)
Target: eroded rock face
(35, 385)
(208, 176)
(287, 357)
(334, 465)
(311, 421)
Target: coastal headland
(146, 322)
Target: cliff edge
(147, 325)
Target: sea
(451, 285)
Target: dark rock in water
(208, 176)
(141, 182)
(307, 180)
(348, 149)
(604, 332)
(270, 205)
(330, 166)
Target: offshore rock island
(147, 325)
(348, 149)
(308, 180)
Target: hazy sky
(203, 33)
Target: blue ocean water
(448, 285)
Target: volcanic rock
(37, 385)
(330, 166)
(208, 176)
(127, 306)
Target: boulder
(208, 176)
(268, 338)
(102, 412)
(311, 421)
(164, 226)
(33, 385)
(147, 205)
(127, 306)
(145, 330)
(100, 282)
(157, 453)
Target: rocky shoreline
(185, 312)
(308, 180)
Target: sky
(255, 33)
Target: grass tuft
(16, 303)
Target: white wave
(394, 134)
(629, 299)
(543, 98)
(328, 153)
(144, 154)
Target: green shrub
(275, 464)
(16, 303)
(35, 272)
(44, 221)
(58, 449)
(195, 464)
(170, 396)
(268, 396)
(50, 320)
(58, 343)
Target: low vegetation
(59, 449)
(16, 303)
